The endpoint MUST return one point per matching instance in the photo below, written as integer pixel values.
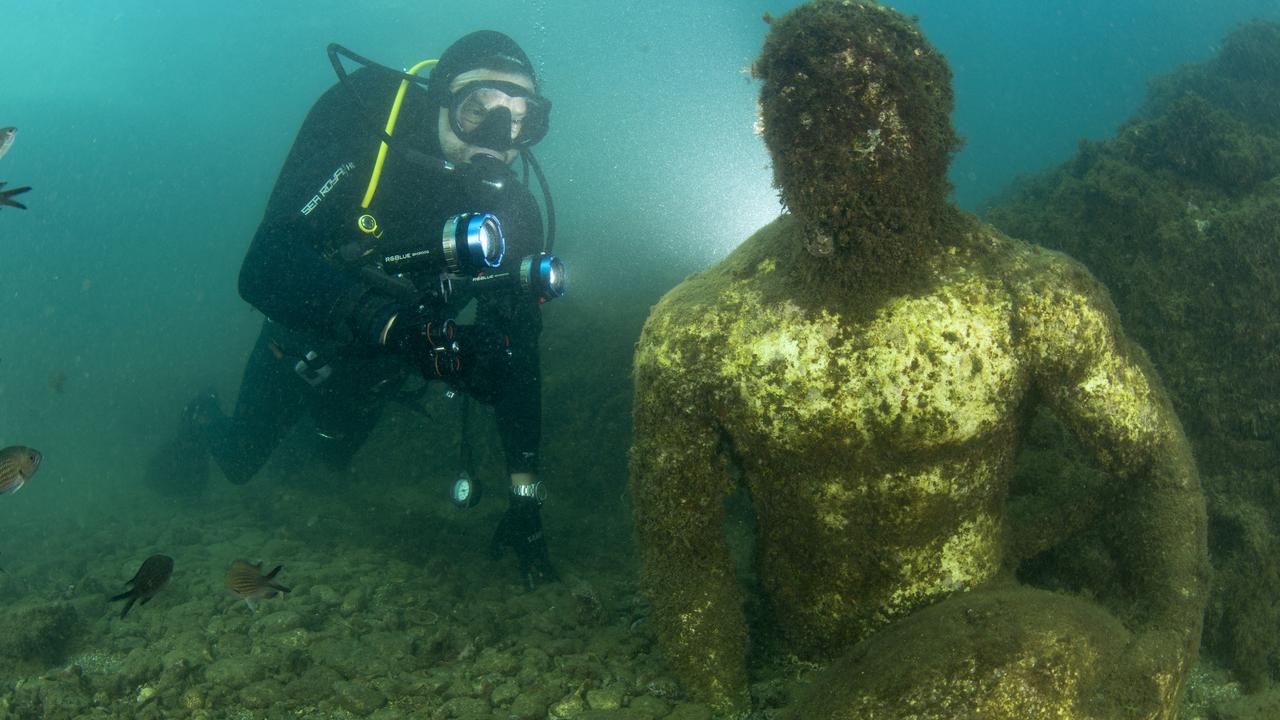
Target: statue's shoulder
(695, 320)
(1058, 304)
(754, 263)
(1024, 266)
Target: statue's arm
(1105, 389)
(679, 482)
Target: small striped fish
(246, 581)
(17, 465)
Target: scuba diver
(379, 231)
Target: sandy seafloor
(396, 609)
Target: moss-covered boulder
(1179, 215)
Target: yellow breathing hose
(391, 126)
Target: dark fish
(57, 381)
(5, 196)
(17, 465)
(246, 581)
(152, 576)
(7, 136)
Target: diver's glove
(521, 529)
(426, 339)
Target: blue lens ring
(543, 275)
(486, 244)
(553, 274)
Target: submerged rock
(41, 634)
(358, 698)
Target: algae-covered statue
(864, 366)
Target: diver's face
(458, 151)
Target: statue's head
(856, 108)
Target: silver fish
(246, 581)
(17, 465)
(6, 139)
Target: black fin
(127, 607)
(281, 588)
(272, 574)
(121, 596)
(5, 196)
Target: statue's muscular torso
(884, 438)
(876, 442)
(875, 428)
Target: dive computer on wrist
(535, 490)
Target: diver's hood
(483, 175)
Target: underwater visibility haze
(150, 136)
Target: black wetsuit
(316, 301)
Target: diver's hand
(426, 339)
(521, 529)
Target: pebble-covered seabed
(396, 611)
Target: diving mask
(498, 115)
